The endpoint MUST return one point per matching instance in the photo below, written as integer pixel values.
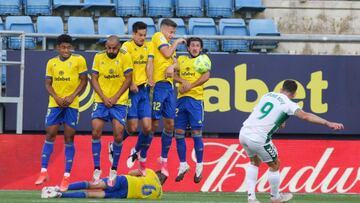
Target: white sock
(251, 178)
(163, 159)
(67, 174)
(274, 181)
(142, 159)
(43, 170)
(183, 164)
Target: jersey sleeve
(95, 66)
(292, 107)
(159, 41)
(49, 71)
(128, 63)
(125, 46)
(150, 48)
(82, 65)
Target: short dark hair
(64, 38)
(161, 177)
(168, 22)
(139, 26)
(290, 86)
(194, 39)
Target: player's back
(146, 187)
(268, 115)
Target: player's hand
(107, 102)
(68, 100)
(59, 101)
(114, 100)
(180, 41)
(151, 83)
(169, 72)
(185, 87)
(335, 126)
(283, 125)
(134, 88)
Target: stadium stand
(249, 7)
(151, 29)
(67, 5)
(106, 26)
(20, 23)
(204, 26)
(96, 5)
(216, 8)
(189, 8)
(159, 8)
(263, 27)
(49, 25)
(81, 25)
(2, 39)
(38, 7)
(10, 7)
(125, 8)
(180, 30)
(234, 26)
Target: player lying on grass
(131, 186)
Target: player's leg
(53, 119)
(196, 119)
(99, 116)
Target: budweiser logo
(323, 176)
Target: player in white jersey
(255, 136)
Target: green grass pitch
(19, 196)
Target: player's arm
(168, 51)
(51, 91)
(204, 78)
(169, 73)
(124, 87)
(150, 70)
(312, 118)
(135, 172)
(96, 87)
(83, 82)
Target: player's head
(194, 46)
(161, 177)
(289, 88)
(112, 46)
(168, 28)
(64, 45)
(139, 32)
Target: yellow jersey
(187, 72)
(111, 74)
(146, 187)
(65, 77)
(161, 63)
(139, 56)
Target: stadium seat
(126, 8)
(180, 31)
(234, 26)
(81, 25)
(67, 5)
(159, 8)
(20, 23)
(263, 27)
(204, 26)
(110, 26)
(216, 8)
(10, 7)
(97, 5)
(50, 25)
(148, 21)
(249, 6)
(2, 39)
(189, 8)
(38, 7)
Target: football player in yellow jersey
(111, 78)
(164, 102)
(189, 107)
(131, 186)
(66, 77)
(140, 108)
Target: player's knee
(96, 134)
(147, 129)
(118, 139)
(275, 165)
(255, 161)
(169, 126)
(131, 129)
(50, 136)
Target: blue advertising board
(328, 86)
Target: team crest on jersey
(61, 73)
(54, 65)
(141, 57)
(117, 62)
(102, 62)
(187, 69)
(111, 71)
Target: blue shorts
(58, 115)
(119, 190)
(164, 102)
(140, 106)
(102, 112)
(189, 111)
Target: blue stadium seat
(110, 26)
(204, 26)
(20, 23)
(148, 21)
(38, 7)
(159, 8)
(97, 5)
(180, 30)
(263, 27)
(2, 39)
(189, 8)
(67, 5)
(249, 5)
(216, 8)
(233, 26)
(81, 25)
(51, 25)
(10, 7)
(126, 8)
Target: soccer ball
(202, 63)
